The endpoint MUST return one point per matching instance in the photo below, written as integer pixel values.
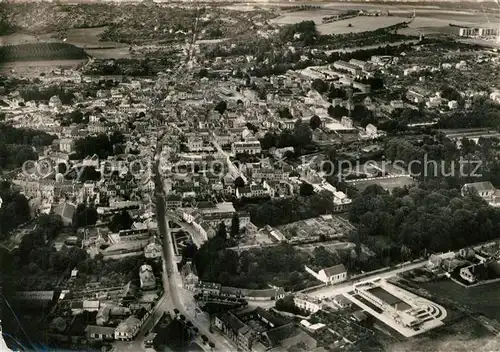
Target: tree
(319, 85)
(221, 231)
(302, 136)
(306, 189)
(84, 215)
(204, 338)
(285, 113)
(176, 311)
(221, 107)
(337, 111)
(238, 182)
(211, 344)
(315, 122)
(121, 221)
(235, 225)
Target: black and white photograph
(250, 176)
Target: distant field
(430, 18)
(34, 68)
(112, 53)
(87, 38)
(359, 24)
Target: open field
(387, 183)
(359, 24)
(461, 336)
(484, 299)
(34, 68)
(86, 38)
(428, 18)
(89, 38)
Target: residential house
(147, 278)
(309, 304)
(247, 147)
(142, 314)
(100, 333)
(342, 302)
(346, 122)
(259, 330)
(237, 331)
(371, 130)
(152, 251)
(208, 288)
(189, 278)
(173, 201)
(485, 190)
(66, 145)
(128, 329)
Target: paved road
(331, 291)
(172, 282)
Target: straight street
(171, 277)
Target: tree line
(16, 145)
(411, 222)
(41, 51)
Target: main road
(171, 277)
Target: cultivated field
(462, 336)
(86, 38)
(429, 20)
(359, 24)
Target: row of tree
(41, 51)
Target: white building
(330, 276)
(247, 147)
(371, 130)
(485, 190)
(306, 303)
(495, 96)
(346, 122)
(147, 278)
(128, 329)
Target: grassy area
(464, 334)
(484, 299)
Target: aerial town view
(221, 175)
